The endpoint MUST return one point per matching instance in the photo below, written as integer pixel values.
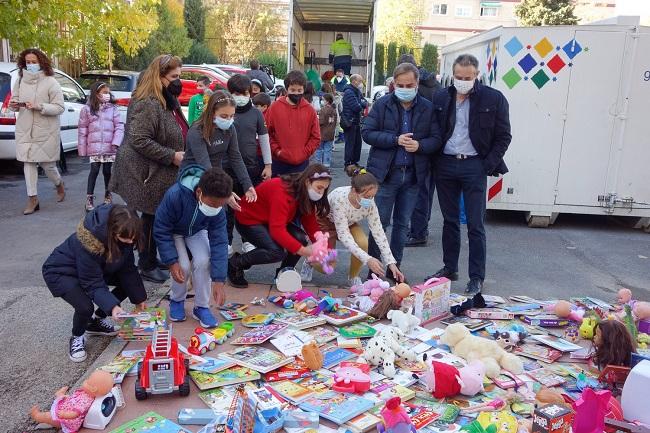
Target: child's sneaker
(77, 351)
(99, 326)
(176, 311)
(306, 272)
(90, 205)
(230, 251)
(356, 281)
(205, 317)
(247, 247)
(108, 198)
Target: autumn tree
(546, 12)
(397, 21)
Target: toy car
(164, 368)
(207, 339)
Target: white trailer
(313, 25)
(580, 114)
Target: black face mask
(175, 87)
(295, 97)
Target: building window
(489, 12)
(440, 9)
(463, 11)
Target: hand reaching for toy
(142, 306)
(117, 310)
(376, 267)
(399, 276)
(233, 202)
(177, 273)
(218, 293)
(251, 195)
(305, 251)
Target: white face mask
(104, 97)
(463, 87)
(208, 211)
(241, 100)
(313, 195)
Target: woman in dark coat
(98, 254)
(148, 160)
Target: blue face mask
(366, 202)
(224, 124)
(406, 95)
(33, 67)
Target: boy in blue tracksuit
(190, 218)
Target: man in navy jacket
(190, 218)
(402, 133)
(475, 129)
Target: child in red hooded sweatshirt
(293, 127)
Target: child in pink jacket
(100, 134)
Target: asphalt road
(579, 255)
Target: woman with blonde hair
(148, 160)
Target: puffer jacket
(38, 133)
(353, 104)
(101, 133)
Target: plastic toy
(572, 333)
(444, 380)
(281, 301)
(103, 408)
(590, 411)
(351, 379)
(390, 300)
(635, 406)
(643, 340)
(624, 297)
(207, 339)
(327, 304)
(245, 417)
(395, 418)
(258, 301)
(566, 310)
(641, 310)
(164, 368)
(472, 348)
(405, 321)
(504, 420)
(288, 280)
(508, 340)
(553, 418)
(68, 412)
(476, 427)
(257, 320)
(312, 356)
(374, 288)
(386, 346)
(321, 253)
(588, 328)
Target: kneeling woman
(98, 254)
(350, 205)
(271, 223)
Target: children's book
(259, 335)
(264, 398)
(298, 319)
(414, 366)
(290, 341)
(520, 308)
(142, 326)
(257, 358)
(421, 416)
(296, 370)
(446, 357)
(362, 423)
(342, 316)
(490, 314)
(339, 408)
(231, 376)
(291, 391)
(334, 356)
(556, 343)
(537, 352)
(582, 354)
(545, 320)
(120, 364)
(493, 299)
(592, 303)
(471, 324)
(546, 377)
(233, 314)
(386, 389)
(211, 365)
(357, 330)
(220, 399)
(150, 422)
(349, 343)
(507, 381)
(447, 413)
(404, 378)
(232, 306)
(322, 335)
(320, 384)
(523, 299)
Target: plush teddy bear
(472, 348)
(405, 321)
(385, 347)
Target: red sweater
(276, 208)
(293, 130)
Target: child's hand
(305, 251)
(117, 310)
(177, 273)
(142, 306)
(251, 195)
(233, 202)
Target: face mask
(208, 211)
(241, 100)
(366, 202)
(360, 87)
(295, 97)
(313, 195)
(406, 95)
(338, 79)
(175, 87)
(463, 87)
(33, 67)
(104, 97)
(224, 124)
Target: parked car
(73, 96)
(122, 84)
(240, 69)
(189, 75)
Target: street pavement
(578, 256)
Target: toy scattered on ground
(352, 379)
(553, 418)
(566, 310)
(69, 411)
(444, 380)
(590, 411)
(546, 396)
(258, 320)
(508, 340)
(395, 418)
(472, 348)
(281, 301)
(207, 339)
(321, 253)
(164, 368)
(588, 328)
(476, 427)
(405, 321)
(288, 280)
(572, 333)
(245, 416)
(374, 288)
(312, 356)
(385, 347)
(258, 301)
(390, 300)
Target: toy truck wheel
(221, 340)
(203, 350)
(212, 345)
(140, 392)
(184, 388)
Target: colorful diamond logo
(544, 47)
(527, 63)
(556, 64)
(572, 48)
(511, 78)
(540, 78)
(513, 46)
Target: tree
(397, 21)
(194, 14)
(429, 58)
(200, 53)
(391, 58)
(380, 64)
(404, 49)
(546, 12)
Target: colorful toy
(444, 380)
(258, 320)
(405, 321)
(643, 340)
(476, 427)
(68, 412)
(281, 301)
(472, 348)
(508, 340)
(386, 346)
(374, 288)
(588, 328)
(164, 368)
(553, 418)
(352, 379)
(321, 253)
(634, 398)
(572, 333)
(288, 280)
(207, 339)
(390, 300)
(546, 396)
(312, 356)
(566, 310)
(504, 421)
(590, 411)
(327, 304)
(395, 418)
(641, 310)
(624, 297)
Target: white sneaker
(306, 272)
(77, 352)
(356, 281)
(230, 251)
(247, 247)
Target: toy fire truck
(164, 368)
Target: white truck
(314, 24)
(580, 115)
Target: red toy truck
(164, 368)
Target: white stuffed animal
(385, 347)
(472, 348)
(403, 320)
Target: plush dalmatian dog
(385, 347)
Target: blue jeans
(323, 154)
(422, 211)
(395, 198)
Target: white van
(73, 96)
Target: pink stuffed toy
(351, 379)
(321, 253)
(444, 380)
(374, 288)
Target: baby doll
(613, 344)
(390, 300)
(69, 411)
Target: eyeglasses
(323, 175)
(165, 60)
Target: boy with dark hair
(190, 218)
(198, 101)
(262, 102)
(293, 127)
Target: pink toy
(374, 288)
(396, 420)
(590, 411)
(351, 379)
(566, 310)
(444, 380)
(321, 253)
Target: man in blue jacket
(402, 133)
(353, 105)
(475, 128)
(190, 218)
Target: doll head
(98, 383)
(641, 310)
(613, 344)
(562, 308)
(624, 296)
(402, 290)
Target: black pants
(62, 163)
(148, 259)
(352, 144)
(255, 174)
(94, 172)
(468, 176)
(279, 167)
(267, 250)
